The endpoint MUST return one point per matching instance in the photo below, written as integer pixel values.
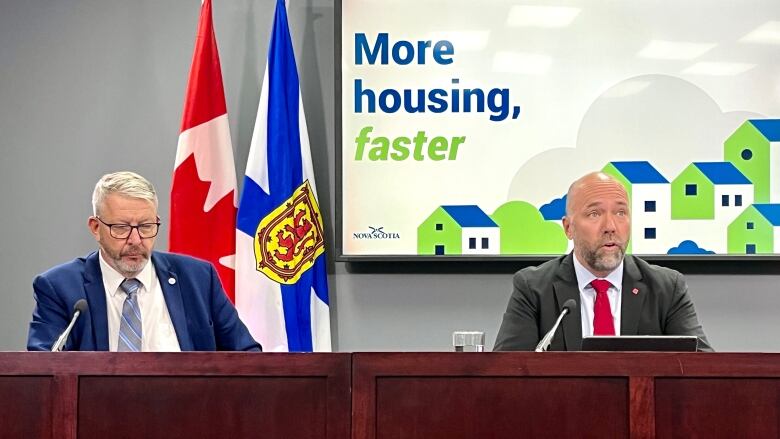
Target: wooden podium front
(174, 395)
(565, 395)
(389, 395)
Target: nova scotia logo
(376, 233)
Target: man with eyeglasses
(138, 299)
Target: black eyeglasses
(123, 231)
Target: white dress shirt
(588, 295)
(158, 332)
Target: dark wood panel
(175, 363)
(25, 407)
(717, 407)
(424, 408)
(402, 394)
(66, 388)
(501, 407)
(273, 394)
(186, 407)
(641, 407)
(570, 363)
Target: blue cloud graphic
(555, 209)
(688, 247)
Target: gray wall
(92, 86)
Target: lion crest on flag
(289, 238)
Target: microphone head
(569, 305)
(80, 306)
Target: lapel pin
(635, 291)
(173, 281)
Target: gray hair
(125, 183)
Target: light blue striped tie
(130, 330)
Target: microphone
(78, 308)
(568, 306)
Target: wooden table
(565, 395)
(174, 395)
(389, 395)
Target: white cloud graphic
(665, 120)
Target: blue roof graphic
(722, 172)
(770, 128)
(469, 216)
(639, 172)
(770, 211)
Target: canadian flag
(203, 192)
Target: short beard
(605, 263)
(128, 270)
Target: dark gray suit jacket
(662, 305)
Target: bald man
(617, 294)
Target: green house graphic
(754, 149)
(704, 187)
(756, 230)
(458, 230)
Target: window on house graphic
(650, 206)
(439, 226)
(750, 225)
(724, 200)
(650, 233)
(737, 200)
(690, 189)
(485, 243)
(472, 243)
(750, 249)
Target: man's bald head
(587, 181)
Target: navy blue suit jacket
(202, 315)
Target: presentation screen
(462, 124)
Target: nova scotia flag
(281, 279)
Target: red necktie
(602, 313)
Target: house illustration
(754, 148)
(648, 194)
(710, 190)
(756, 230)
(458, 230)
(706, 197)
(730, 207)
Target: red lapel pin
(635, 291)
